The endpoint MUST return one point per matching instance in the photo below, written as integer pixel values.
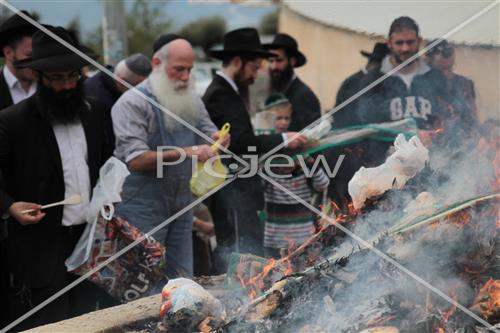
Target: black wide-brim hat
(15, 26)
(380, 50)
(241, 41)
(51, 56)
(284, 41)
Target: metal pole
(113, 32)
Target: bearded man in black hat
(234, 208)
(16, 84)
(51, 147)
(305, 105)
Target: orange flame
(284, 266)
(447, 314)
(487, 301)
(496, 168)
(462, 218)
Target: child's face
(282, 118)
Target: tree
(205, 32)
(269, 23)
(93, 39)
(145, 22)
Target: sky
(60, 12)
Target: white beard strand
(180, 101)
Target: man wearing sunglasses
(461, 110)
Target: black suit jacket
(5, 97)
(305, 105)
(225, 105)
(31, 165)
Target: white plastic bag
(106, 192)
(407, 160)
(320, 130)
(184, 293)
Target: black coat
(5, 97)
(32, 170)
(305, 105)
(347, 115)
(102, 87)
(238, 202)
(225, 105)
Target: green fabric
(387, 138)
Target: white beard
(177, 97)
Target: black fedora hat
(241, 41)
(380, 50)
(15, 26)
(51, 56)
(287, 42)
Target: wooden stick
(72, 200)
(444, 212)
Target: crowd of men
(57, 128)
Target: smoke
(438, 253)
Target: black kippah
(163, 40)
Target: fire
(487, 302)
(496, 168)
(460, 219)
(257, 280)
(447, 314)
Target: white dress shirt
(74, 158)
(17, 93)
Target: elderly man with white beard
(141, 129)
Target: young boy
(287, 220)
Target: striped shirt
(287, 220)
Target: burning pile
(430, 263)
(361, 291)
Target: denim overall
(147, 200)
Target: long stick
(72, 200)
(331, 260)
(445, 211)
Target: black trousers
(79, 300)
(234, 211)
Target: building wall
(333, 54)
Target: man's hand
(25, 219)
(295, 140)
(204, 227)
(203, 152)
(225, 142)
